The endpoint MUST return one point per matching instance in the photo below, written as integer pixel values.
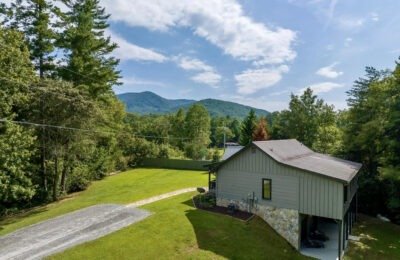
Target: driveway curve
(55, 235)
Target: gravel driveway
(58, 234)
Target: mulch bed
(222, 210)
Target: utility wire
(89, 130)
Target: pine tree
(248, 127)
(32, 17)
(88, 61)
(261, 132)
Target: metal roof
(231, 150)
(293, 153)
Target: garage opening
(319, 237)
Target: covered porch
(327, 238)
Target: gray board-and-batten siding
(292, 188)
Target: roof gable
(294, 154)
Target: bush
(206, 200)
(139, 149)
(79, 179)
(195, 151)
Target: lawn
(122, 188)
(178, 230)
(379, 240)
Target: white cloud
(207, 74)
(252, 80)
(138, 81)
(374, 17)
(221, 22)
(329, 71)
(262, 102)
(349, 23)
(188, 63)
(209, 78)
(129, 51)
(322, 87)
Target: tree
(247, 129)
(16, 143)
(303, 118)
(65, 106)
(16, 73)
(197, 129)
(261, 131)
(32, 17)
(177, 124)
(368, 138)
(88, 61)
(16, 187)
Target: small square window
(266, 189)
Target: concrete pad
(330, 252)
(55, 235)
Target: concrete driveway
(58, 234)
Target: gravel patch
(57, 234)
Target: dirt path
(160, 197)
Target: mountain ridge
(148, 102)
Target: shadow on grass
(378, 240)
(235, 239)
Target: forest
(62, 126)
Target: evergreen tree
(88, 61)
(261, 132)
(247, 129)
(16, 143)
(32, 17)
(16, 186)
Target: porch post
(356, 217)
(209, 180)
(340, 239)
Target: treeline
(60, 120)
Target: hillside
(151, 103)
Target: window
(266, 189)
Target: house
(295, 190)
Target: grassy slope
(123, 188)
(379, 240)
(177, 230)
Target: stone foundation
(284, 221)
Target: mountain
(150, 103)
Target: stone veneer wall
(284, 221)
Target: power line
(89, 130)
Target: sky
(254, 52)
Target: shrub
(79, 179)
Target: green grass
(177, 230)
(122, 188)
(379, 240)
